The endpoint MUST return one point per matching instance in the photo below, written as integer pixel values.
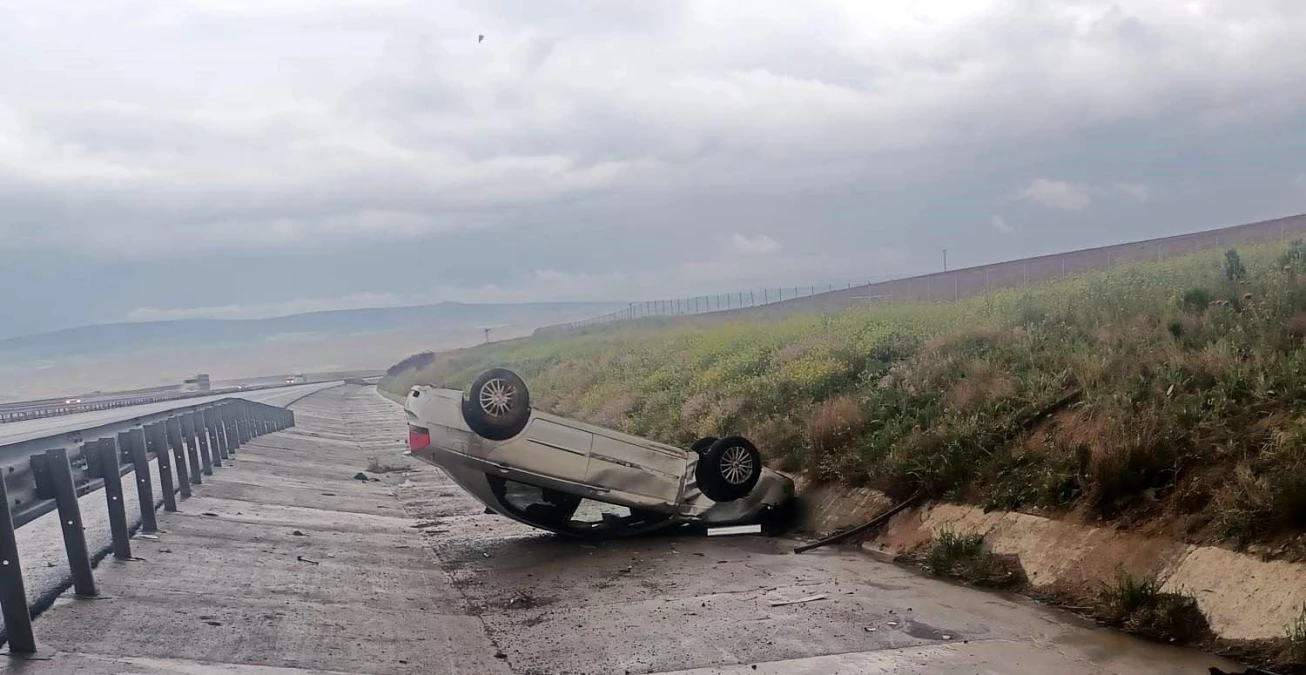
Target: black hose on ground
(874, 522)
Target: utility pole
(945, 260)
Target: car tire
(498, 406)
(701, 445)
(729, 470)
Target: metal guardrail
(188, 442)
(37, 411)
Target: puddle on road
(924, 631)
(1105, 647)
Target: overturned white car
(572, 478)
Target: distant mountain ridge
(103, 339)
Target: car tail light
(418, 438)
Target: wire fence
(707, 304)
(955, 284)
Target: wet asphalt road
(283, 565)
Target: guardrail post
(219, 431)
(172, 428)
(248, 415)
(144, 485)
(242, 422)
(109, 468)
(247, 422)
(156, 442)
(70, 520)
(229, 427)
(13, 594)
(215, 440)
(202, 435)
(192, 447)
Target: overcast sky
(180, 158)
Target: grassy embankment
(1191, 415)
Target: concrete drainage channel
(185, 443)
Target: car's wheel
(498, 406)
(729, 469)
(701, 445)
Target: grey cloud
(628, 142)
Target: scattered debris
(301, 558)
(500, 655)
(165, 550)
(377, 465)
(361, 476)
(148, 536)
(209, 514)
(328, 494)
(214, 623)
(734, 529)
(297, 533)
(782, 603)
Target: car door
(636, 465)
(548, 448)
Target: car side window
(534, 503)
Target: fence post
(156, 442)
(192, 447)
(144, 485)
(13, 594)
(70, 521)
(108, 450)
(172, 429)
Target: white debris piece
(781, 603)
(735, 529)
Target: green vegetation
(1191, 373)
(964, 557)
(1139, 606)
(1295, 653)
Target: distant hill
(130, 355)
(445, 316)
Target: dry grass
(835, 424)
(981, 382)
